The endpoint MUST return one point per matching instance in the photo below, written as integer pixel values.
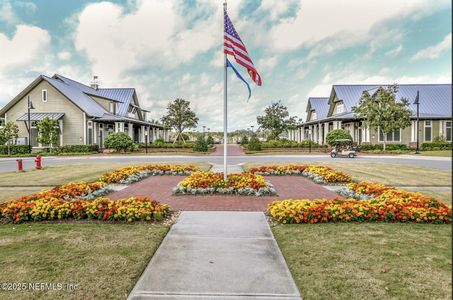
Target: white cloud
(318, 20)
(64, 55)
(276, 8)
(267, 63)
(152, 34)
(7, 13)
(395, 51)
(29, 6)
(434, 51)
(24, 48)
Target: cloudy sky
(170, 49)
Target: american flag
(233, 46)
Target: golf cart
(343, 148)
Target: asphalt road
(10, 164)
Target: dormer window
(340, 108)
(44, 95)
(313, 115)
(112, 106)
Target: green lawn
(103, 260)
(444, 153)
(444, 196)
(393, 174)
(57, 175)
(14, 194)
(368, 261)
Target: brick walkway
(233, 150)
(159, 188)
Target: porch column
(60, 124)
(142, 134)
(301, 133)
(117, 127)
(320, 135)
(326, 131)
(130, 128)
(95, 136)
(413, 132)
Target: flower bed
(128, 175)
(369, 190)
(393, 209)
(50, 208)
(319, 174)
(213, 183)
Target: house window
(428, 131)
(112, 107)
(448, 131)
(392, 136)
(314, 116)
(340, 107)
(44, 95)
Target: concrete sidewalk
(217, 255)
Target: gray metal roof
(320, 105)
(435, 99)
(122, 95)
(82, 100)
(40, 116)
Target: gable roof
(435, 99)
(79, 94)
(320, 105)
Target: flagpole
(225, 111)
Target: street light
(29, 107)
(417, 102)
(146, 140)
(204, 127)
(252, 128)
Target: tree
(276, 119)
(48, 132)
(8, 133)
(200, 145)
(383, 112)
(339, 134)
(210, 140)
(244, 140)
(180, 117)
(254, 143)
(119, 141)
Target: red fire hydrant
(38, 162)
(20, 167)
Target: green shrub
(120, 141)
(200, 145)
(339, 134)
(436, 146)
(312, 144)
(14, 149)
(244, 140)
(159, 141)
(254, 144)
(78, 149)
(210, 140)
(188, 145)
(380, 147)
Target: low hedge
(78, 148)
(436, 146)
(291, 144)
(188, 145)
(14, 149)
(389, 147)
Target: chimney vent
(95, 83)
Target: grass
(103, 260)
(443, 153)
(368, 261)
(57, 175)
(392, 174)
(14, 194)
(443, 196)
